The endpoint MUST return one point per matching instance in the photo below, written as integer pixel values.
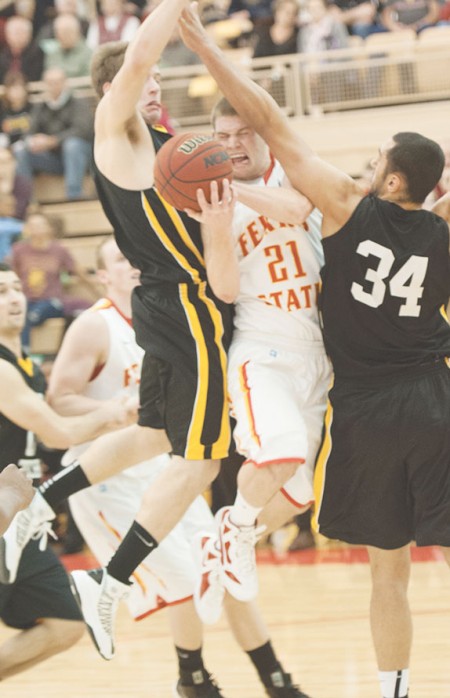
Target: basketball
(188, 162)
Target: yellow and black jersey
(16, 443)
(163, 243)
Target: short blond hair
(106, 63)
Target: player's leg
(390, 618)
(40, 605)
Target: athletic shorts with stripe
(278, 399)
(104, 513)
(41, 590)
(185, 336)
(383, 472)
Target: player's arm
(332, 191)
(30, 412)
(83, 352)
(219, 252)
(279, 203)
(16, 493)
(142, 53)
(442, 207)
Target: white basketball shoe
(33, 523)
(238, 557)
(209, 592)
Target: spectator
(414, 14)
(62, 7)
(176, 53)
(323, 31)
(113, 24)
(10, 227)
(68, 50)
(280, 37)
(359, 16)
(15, 118)
(40, 262)
(257, 11)
(60, 135)
(14, 185)
(20, 53)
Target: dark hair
(222, 108)
(420, 160)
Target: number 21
(413, 270)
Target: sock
(134, 548)
(264, 660)
(394, 684)
(70, 480)
(242, 513)
(189, 660)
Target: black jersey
(163, 243)
(17, 445)
(385, 287)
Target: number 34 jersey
(385, 288)
(279, 272)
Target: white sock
(394, 684)
(242, 513)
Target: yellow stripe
(320, 469)
(26, 365)
(443, 312)
(221, 446)
(195, 450)
(248, 406)
(168, 244)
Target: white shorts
(104, 513)
(278, 399)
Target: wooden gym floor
(316, 606)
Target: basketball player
(278, 371)
(16, 493)
(39, 603)
(84, 374)
(382, 477)
(181, 315)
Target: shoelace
(43, 531)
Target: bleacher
(345, 104)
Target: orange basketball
(187, 162)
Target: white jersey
(279, 267)
(104, 512)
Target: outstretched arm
(279, 203)
(329, 189)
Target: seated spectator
(41, 262)
(62, 7)
(257, 11)
(10, 226)
(60, 135)
(359, 16)
(15, 110)
(20, 53)
(323, 32)
(13, 184)
(68, 50)
(113, 24)
(280, 37)
(414, 14)
(177, 53)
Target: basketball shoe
(196, 684)
(98, 595)
(238, 557)
(33, 523)
(209, 592)
(279, 685)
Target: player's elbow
(226, 292)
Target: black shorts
(41, 590)
(183, 380)
(382, 475)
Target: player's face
(249, 154)
(149, 104)
(12, 303)
(118, 274)
(379, 165)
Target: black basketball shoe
(197, 684)
(279, 685)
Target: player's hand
(217, 214)
(192, 30)
(18, 485)
(121, 411)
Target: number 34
(406, 283)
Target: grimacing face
(149, 104)
(117, 274)
(248, 152)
